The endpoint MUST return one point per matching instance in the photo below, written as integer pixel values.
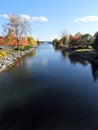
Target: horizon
(50, 18)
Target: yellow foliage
(55, 40)
(2, 54)
(32, 41)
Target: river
(49, 90)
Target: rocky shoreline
(8, 61)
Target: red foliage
(14, 42)
(23, 42)
(74, 38)
(1, 40)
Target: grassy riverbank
(6, 51)
(88, 52)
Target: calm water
(49, 90)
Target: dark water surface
(49, 90)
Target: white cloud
(87, 19)
(5, 16)
(26, 17)
(29, 18)
(33, 19)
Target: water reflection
(43, 93)
(74, 59)
(56, 48)
(32, 54)
(23, 71)
(94, 69)
(64, 53)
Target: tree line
(78, 41)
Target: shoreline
(83, 56)
(8, 61)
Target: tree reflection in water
(64, 53)
(57, 48)
(22, 72)
(94, 69)
(76, 59)
(32, 54)
(73, 58)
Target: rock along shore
(7, 61)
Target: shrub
(27, 47)
(23, 48)
(2, 54)
(55, 42)
(16, 48)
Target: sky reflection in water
(49, 89)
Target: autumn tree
(23, 41)
(9, 38)
(31, 40)
(79, 35)
(1, 40)
(18, 25)
(65, 37)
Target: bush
(2, 54)
(55, 42)
(16, 48)
(24, 48)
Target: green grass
(83, 50)
(23, 48)
(88, 52)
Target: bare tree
(19, 26)
(64, 33)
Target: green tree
(56, 41)
(87, 39)
(95, 44)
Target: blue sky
(50, 17)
